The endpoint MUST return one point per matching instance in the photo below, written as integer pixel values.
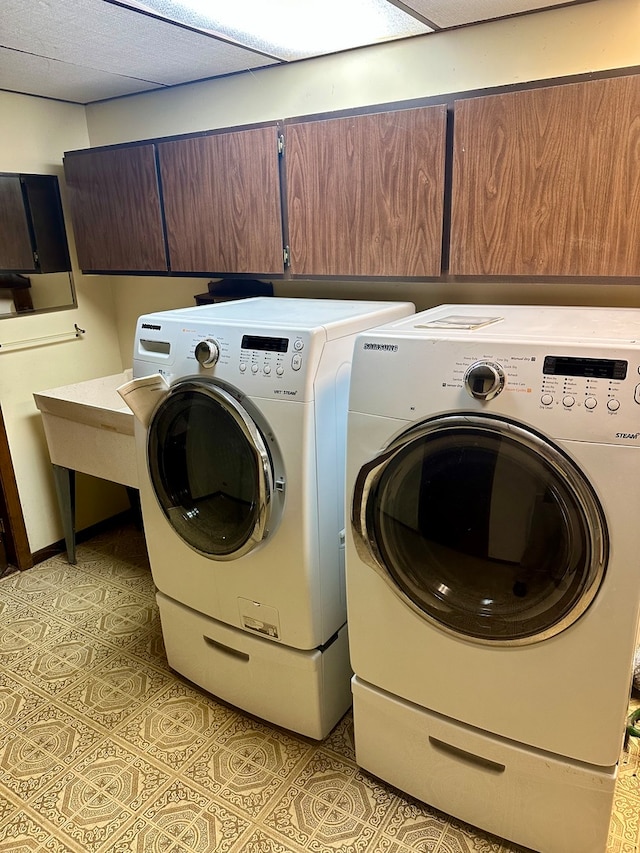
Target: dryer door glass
(484, 527)
(211, 470)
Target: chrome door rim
(370, 473)
(258, 448)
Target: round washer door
(483, 527)
(212, 469)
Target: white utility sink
(90, 429)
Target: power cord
(632, 719)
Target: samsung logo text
(382, 347)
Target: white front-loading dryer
(492, 562)
(241, 469)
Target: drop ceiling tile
(48, 78)
(451, 13)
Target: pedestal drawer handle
(228, 650)
(468, 757)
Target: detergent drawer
(304, 691)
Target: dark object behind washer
(233, 288)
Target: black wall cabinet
(32, 233)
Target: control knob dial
(484, 380)
(207, 352)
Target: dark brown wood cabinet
(546, 181)
(542, 182)
(32, 233)
(365, 194)
(114, 196)
(222, 204)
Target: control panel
(584, 394)
(575, 380)
(263, 364)
(578, 383)
(266, 354)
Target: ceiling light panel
(292, 29)
(451, 13)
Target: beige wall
(35, 134)
(573, 40)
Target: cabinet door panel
(365, 194)
(16, 251)
(115, 206)
(222, 202)
(547, 181)
(47, 220)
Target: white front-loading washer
(241, 472)
(493, 576)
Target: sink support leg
(65, 480)
(134, 501)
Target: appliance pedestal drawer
(533, 798)
(306, 691)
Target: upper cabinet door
(115, 206)
(222, 202)
(365, 194)
(547, 181)
(32, 232)
(16, 248)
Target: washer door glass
(484, 527)
(211, 470)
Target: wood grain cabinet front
(365, 194)
(546, 181)
(115, 206)
(222, 205)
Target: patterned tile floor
(103, 748)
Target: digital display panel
(266, 344)
(589, 368)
